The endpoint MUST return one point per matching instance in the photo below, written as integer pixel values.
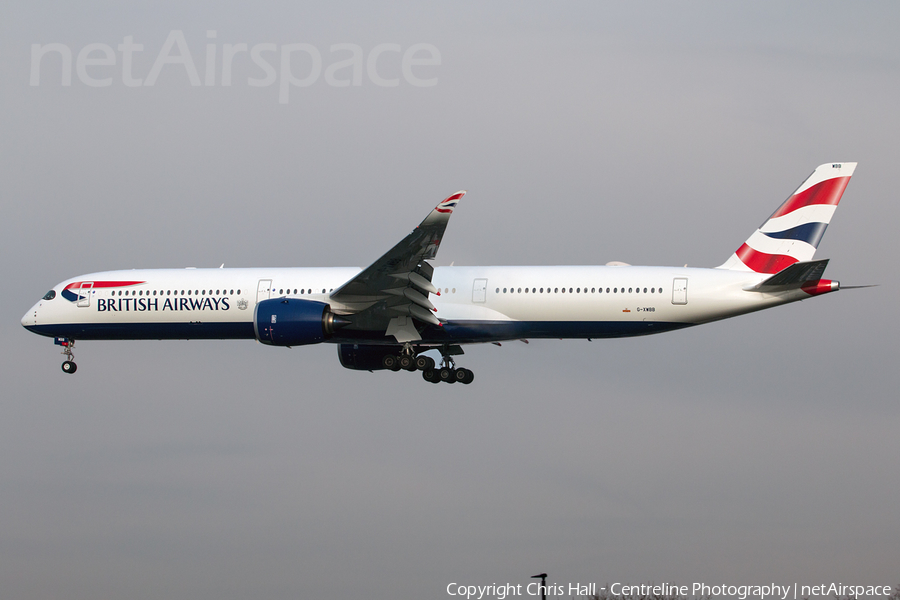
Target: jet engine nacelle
(293, 322)
(361, 357)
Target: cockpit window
(50, 295)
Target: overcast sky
(755, 450)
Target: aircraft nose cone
(30, 318)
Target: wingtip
(449, 203)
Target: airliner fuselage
(476, 304)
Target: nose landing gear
(69, 365)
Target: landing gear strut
(69, 365)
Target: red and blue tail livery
(403, 313)
(793, 231)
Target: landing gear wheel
(448, 375)
(391, 362)
(407, 362)
(67, 344)
(464, 376)
(431, 375)
(424, 363)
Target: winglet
(443, 210)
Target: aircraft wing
(392, 291)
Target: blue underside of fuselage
(456, 332)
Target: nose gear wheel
(69, 365)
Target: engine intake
(294, 322)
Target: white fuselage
(475, 304)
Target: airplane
(386, 316)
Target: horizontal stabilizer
(793, 277)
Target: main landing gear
(69, 365)
(408, 360)
(448, 373)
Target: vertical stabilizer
(793, 231)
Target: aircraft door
(479, 290)
(679, 290)
(84, 294)
(263, 290)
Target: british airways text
(153, 304)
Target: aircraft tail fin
(793, 231)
